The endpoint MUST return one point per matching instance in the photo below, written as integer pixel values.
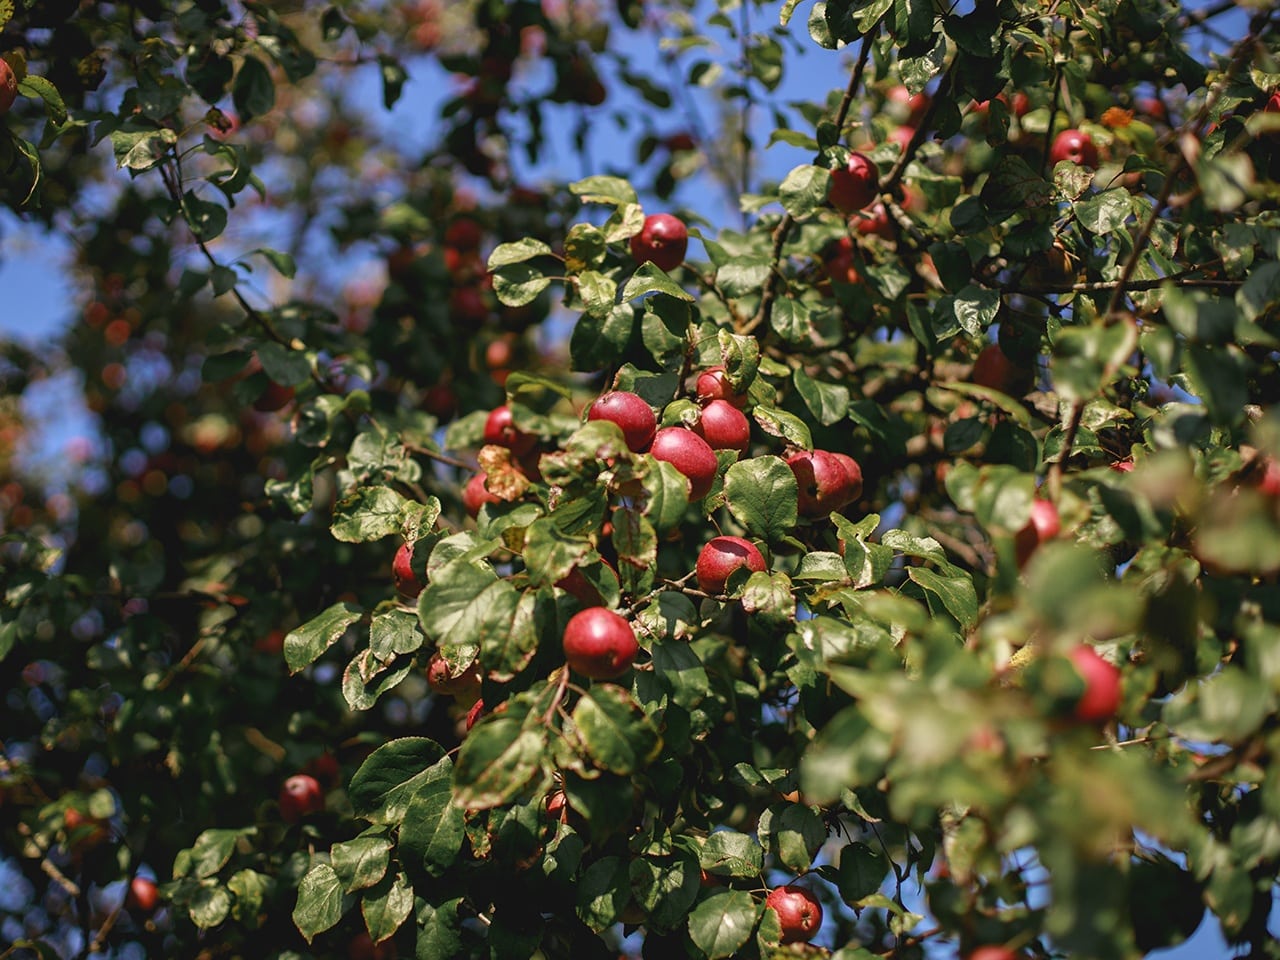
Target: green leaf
(209, 906)
(306, 643)
(598, 292)
(1013, 185)
(668, 496)
(804, 191)
(361, 862)
(613, 731)
(603, 892)
(762, 495)
(394, 77)
(664, 890)
(366, 678)
(956, 593)
(319, 905)
(283, 263)
(141, 150)
(519, 284)
(33, 86)
(1105, 212)
(209, 854)
(387, 907)
(369, 513)
(792, 834)
(828, 402)
(598, 342)
(251, 891)
(254, 92)
(505, 254)
(282, 365)
(433, 829)
(744, 275)
(439, 931)
(720, 925)
(860, 873)
(650, 278)
(206, 219)
(383, 787)
(784, 425)
(1226, 708)
(603, 189)
(976, 308)
(549, 553)
(728, 853)
(498, 760)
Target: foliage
(887, 712)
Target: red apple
(663, 239)
(475, 495)
(1273, 104)
(407, 582)
(993, 952)
(467, 305)
(464, 234)
(993, 369)
(475, 713)
(362, 947)
(799, 912)
(856, 185)
(1101, 697)
(1122, 466)
(854, 471)
(142, 895)
(724, 427)
(442, 679)
(688, 453)
(1021, 104)
(825, 483)
(874, 221)
(599, 643)
(8, 87)
(723, 555)
(301, 795)
(713, 384)
(632, 415)
(1043, 525)
(840, 263)
(1269, 478)
(557, 805)
(501, 430)
(1073, 145)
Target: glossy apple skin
(688, 453)
(799, 912)
(1073, 145)
(407, 582)
(599, 643)
(854, 471)
(663, 240)
(500, 429)
(1043, 525)
(632, 415)
(1101, 697)
(825, 483)
(475, 495)
(723, 555)
(142, 895)
(8, 87)
(713, 384)
(855, 186)
(724, 427)
(301, 795)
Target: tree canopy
(517, 523)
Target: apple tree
(524, 517)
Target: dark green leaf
(254, 92)
(319, 905)
(613, 731)
(383, 787)
(720, 925)
(306, 643)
